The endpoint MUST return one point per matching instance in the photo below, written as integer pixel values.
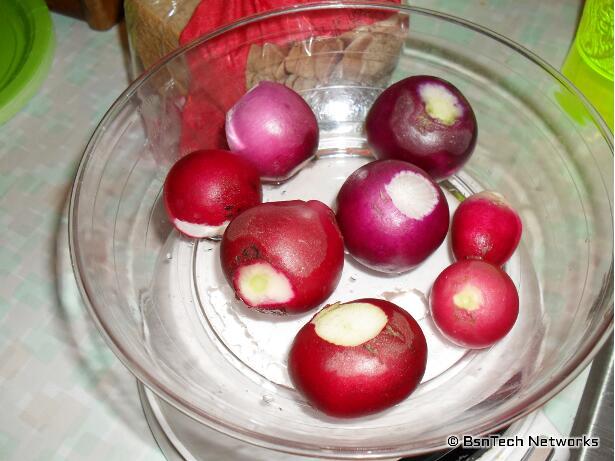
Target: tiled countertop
(64, 395)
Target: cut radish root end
(412, 194)
(200, 230)
(470, 298)
(349, 324)
(260, 283)
(440, 103)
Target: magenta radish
(283, 256)
(274, 128)
(474, 303)
(485, 226)
(204, 190)
(357, 358)
(423, 120)
(392, 215)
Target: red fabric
(211, 14)
(214, 89)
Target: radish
(358, 358)
(426, 121)
(474, 303)
(485, 226)
(273, 127)
(284, 257)
(392, 215)
(205, 189)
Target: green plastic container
(589, 64)
(26, 52)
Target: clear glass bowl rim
(523, 407)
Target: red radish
(485, 227)
(274, 128)
(204, 190)
(283, 256)
(426, 121)
(358, 358)
(474, 303)
(392, 215)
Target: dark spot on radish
(250, 252)
(390, 331)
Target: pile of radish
(354, 357)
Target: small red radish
(358, 358)
(426, 121)
(274, 128)
(205, 189)
(392, 215)
(283, 256)
(474, 303)
(485, 226)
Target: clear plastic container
(163, 305)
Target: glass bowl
(165, 309)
